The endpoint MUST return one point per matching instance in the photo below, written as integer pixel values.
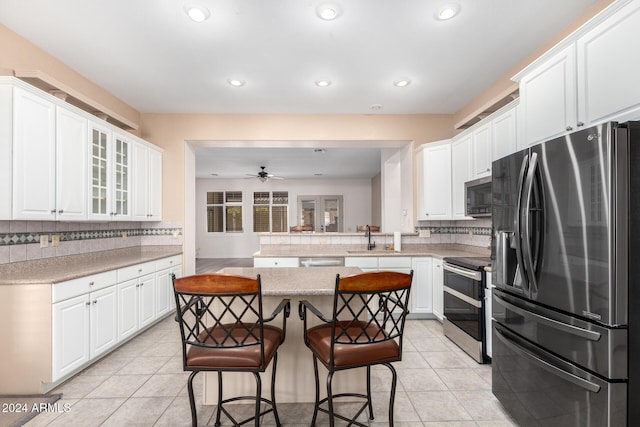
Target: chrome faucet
(367, 234)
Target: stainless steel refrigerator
(566, 266)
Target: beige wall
(18, 53)
(170, 131)
(504, 85)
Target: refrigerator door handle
(567, 376)
(502, 246)
(570, 329)
(527, 256)
(520, 274)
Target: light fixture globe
(447, 11)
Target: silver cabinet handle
(53, 211)
(569, 128)
(580, 124)
(60, 211)
(91, 283)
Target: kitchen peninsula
(294, 379)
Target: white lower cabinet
(92, 314)
(438, 289)
(103, 320)
(127, 309)
(70, 336)
(421, 293)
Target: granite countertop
(433, 250)
(295, 281)
(60, 269)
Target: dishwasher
(322, 262)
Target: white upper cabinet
(608, 69)
(461, 170)
(71, 170)
(589, 78)
(481, 149)
(146, 183)
(435, 176)
(504, 132)
(548, 99)
(34, 157)
(59, 163)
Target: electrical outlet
(44, 240)
(55, 240)
(425, 233)
(470, 233)
(124, 235)
(175, 234)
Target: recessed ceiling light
(197, 13)
(236, 82)
(376, 107)
(213, 174)
(319, 150)
(323, 83)
(448, 11)
(317, 174)
(328, 11)
(402, 83)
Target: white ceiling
(152, 56)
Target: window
(224, 211)
(270, 211)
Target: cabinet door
(127, 309)
(608, 69)
(146, 300)
(421, 288)
(140, 182)
(34, 157)
(438, 289)
(155, 185)
(505, 136)
(548, 102)
(104, 320)
(437, 182)
(70, 335)
(100, 143)
(460, 173)
(482, 155)
(121, 173)
(164, 292)
(71, 165)
(276, 262)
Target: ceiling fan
(263, 175)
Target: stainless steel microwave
(477, 194)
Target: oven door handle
(463, 297)
(469, 274)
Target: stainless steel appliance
(477, 194)
(566, 223)
(464, 315)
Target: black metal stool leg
(330, 398)
(369, 392)
(273, 389)
(219, 408)
(392, 396)
(192, 400)
(258, 396)
(315, 408)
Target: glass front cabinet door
(100, 139)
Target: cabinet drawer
(164, 263)
(368, 262)
(135, 271)
(82, 285)
(275, 262)
(394, 262)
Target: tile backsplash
(20, 240)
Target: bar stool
(223, 330)
(366, 328)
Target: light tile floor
(142, 384)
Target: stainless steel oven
(463, 298)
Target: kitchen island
(294, 379)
